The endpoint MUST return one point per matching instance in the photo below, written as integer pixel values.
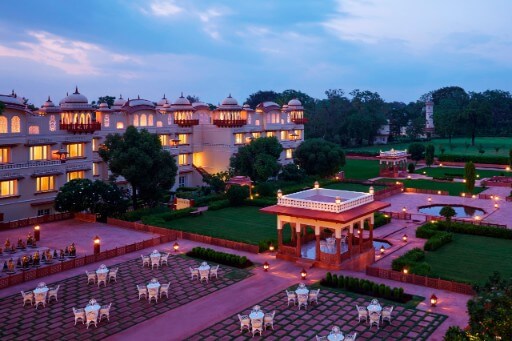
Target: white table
(102, 271)
(256, 315)
(153, 285)
(204, 267)
(374, 308)
(41, 290)
(302, 291)
(335, 337)
(94, 307)
(155, 254)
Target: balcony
(186, 123)
(86, 128)
(229, 123)
(299, 120)
(31, 164)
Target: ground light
(37, 233)
(404, 238)
(97, 246)
(176, 246)
(382, 250)
(404, 209)
(405, 271)
(271, 247)
(429, 199)
(266, 266)
(303, 274)
(433, 300)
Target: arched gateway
(327, 226)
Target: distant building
(42, 150)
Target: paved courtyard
(56, 320)
(334, 309)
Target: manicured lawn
(361, 169)
(458, 146)
(453, 188)
(459, 172)
(472, 258)
(244, 224)
(345, 186)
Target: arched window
(143, 120)
(136, 120)
(150, 120)
(15, 124)
(53, 123)
(3, 125)
(75, 119)
(88, 118)
(33, 130)
(159, 123)
(169, 119)
(106, 121)
(82, 118)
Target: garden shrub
(341, 281)
(220, 257)
(500, 160)
(380, 219)
(457, 227)
(334, 282)
(138, 214)
(218, 205)
(328, 278)
(237, 194)
(408, 259)
(454, 333)
(411, 167)
(261, 202)
(266, 189)
(421, 268)
(438, 240)
(265, 243)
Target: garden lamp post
(37, 233)
(433, 300)
(303, 274)
(97, 245)
(176, 246)
(266, 266)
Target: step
(305, 263)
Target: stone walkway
(55, 321)
(334, 309)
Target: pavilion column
(279, 234)
(317, 245)
(370, 223)
(350, 235)
(292, 228)
(360, 237)
(299, 240)
(338, 245)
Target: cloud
(163, 8)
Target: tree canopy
(470, 176)
(107, 99)
(416, 150)
(258, 159)
(319, 157)
(138, 156)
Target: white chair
(112, 274)
(40, 298)
(386, 313)
(351, 337)
(91, 317)
(164, 289)
(214, 271)
(268, 320)
(143, 291)
(291, 297)
(153, 293)
(105, 311)
(257, 326)
(204, 274)
(102, 278)
(374, 319)
(28, 296)
(361, 313)
(194, 272)
(302, 300)
(245, 322)
(145, 260)
(164, 258)
(79, 315)
(53, 292)
(155, 261)
(91, 276)
(313, 296)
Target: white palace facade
(41, 150)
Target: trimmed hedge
(500, 160)
(477, 230)
(410, 259)
(167, 216)
(436, 238)
(365, 287)
(265, 243)
(138, 214)
(220, 257)
(218, 205)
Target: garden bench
(199, 211)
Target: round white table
(93, 307)
(374, 308)
(204, 267)
(153, 285)
(155, 254)
(102, 270)
(41, 290)
(335, 337)
(302, 291)
(256, 315)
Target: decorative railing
(186, 123)
(30, 164)
(299, 120)
(229, 123)
(86, 128)
(324, 206)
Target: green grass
(472, 258)
(458, 146)
(243, 224)
(361, 169)
(444, 171)
(453, 188)
(345, 186)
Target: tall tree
(261, 96)
(258, 159)
(319, 157)
(476, 114)
(470, 176)
(416, 150)
(138, 156)
(429, 155)
(193, 98)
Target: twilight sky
(399, 48)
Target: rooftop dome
(246, 106)
(229, 101)
(162, 102)
(103, 105)
(294, 102)
(181, 100)
(75, 97)
(120, 101)
(48, 103)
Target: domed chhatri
(230, 114)
(183, 112)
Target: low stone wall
(425, 191)
(86, 217)
(13, 224)
(435, 283)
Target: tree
(217, 181)
(510, 158)
(416, 127)
(261, 96)
(429, 155)
(108, 199)
(475, 115)
(448, 212)
(237, 194)
(291, 172)
(319, 157)
(75, 196)
(138, 156)
(416, 150)
(2, 107)
(470, 176)
(193, 98)
(107, 99)
(258, 159)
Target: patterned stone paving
(56, 320)
(334, 308)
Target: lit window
(257, 122)
(39, 153)
(106, 121)
(75, 150)
(164, 139)
(15, 124)
(119, 125)
(33, 130)
(150, 120)
(143, 120)
(169, 119)
(183, 159)
(159, 124)
(3, 125)
(135, 120)
(256, 135)
(8, 188)
(183, 138)
(95, 143)
(44, 211)
(76, 175)
(270, 134)
(4, 155)
(95, 169)
(289, 153)
(53, 123)
(239, 138)
(45, 183)
(283, 135)
(249, 119)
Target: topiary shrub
(220, 257)
(411, 167)
(237, 194)
(334, 282)
(341, 281)
(328, 278)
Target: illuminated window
(33, 130)
(106, 121)
(270, 134)
(39, 153)
(143, 120)
(3, 125)
(150, 120)
(15, 124)
(135, 120)
(183, 159)
(164, 139)
(183, 138)
(249, 119)
(76, 175)
(159, 124)
(256, 135)
(283, 135)
(53, 123)
(239, 138)
(45, 183)
(169, 119)
(289, 153)
(95, 169)
(95, 144)
(257, 122)
(8, 188)
(75, 150)
(119, 125)
(4, 155)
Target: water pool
(378, 243)
(460, 210)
